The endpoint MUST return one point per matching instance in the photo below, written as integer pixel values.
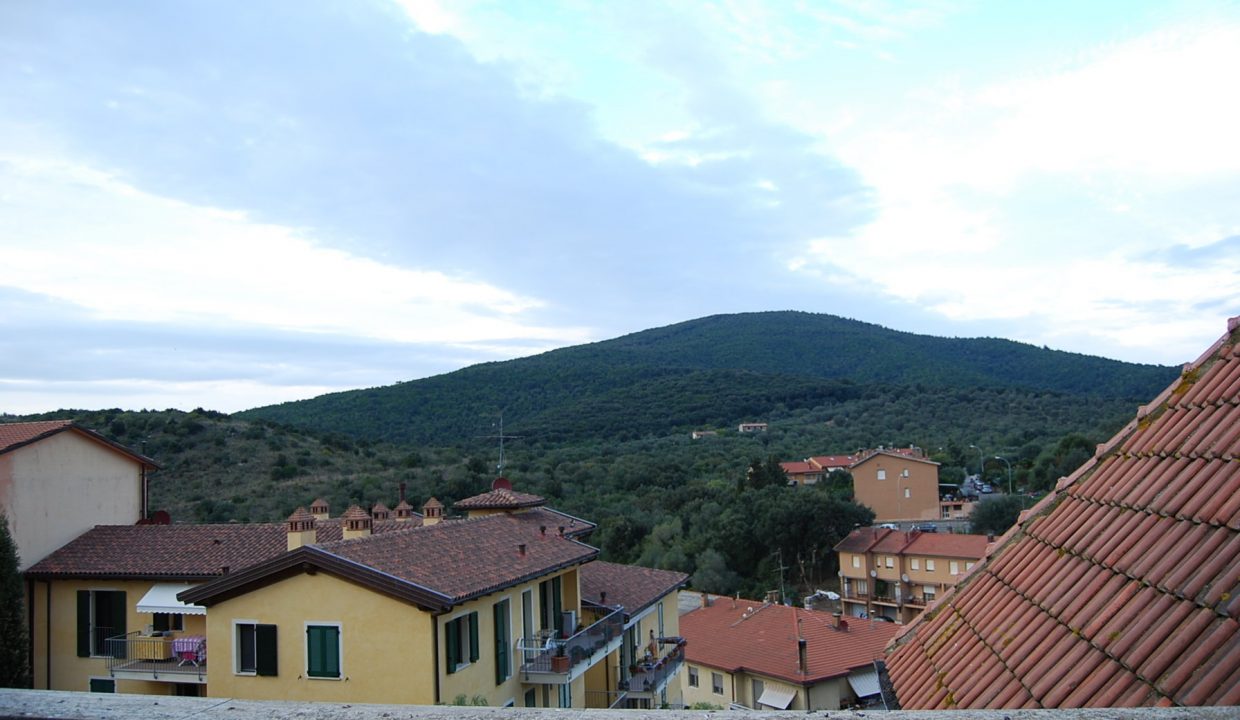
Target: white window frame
(882, 474)
(236, 647)
(695, 679)
(915, 563)
(908, 493)
(716, 688)
(953, 567)
(305, 647)
(889, 562)
(856, 561)
(930, 564)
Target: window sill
(337, 678)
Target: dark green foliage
(993, 516)
(14, 641)
(712, 372)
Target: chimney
(835, 618)
(705, 600)
(402, 492)
(301, 529)
(380, 512)
(403, 511)
(319, 509)
(772, 597)
(521, 549)
(356, 523)
(561, 531)
(432, 512)
(602, 597)
(802, 656)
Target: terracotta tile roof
(1122, 588)
(798, 468)
(634, 587)
(500, 499)
(833, 462)
(159, 551)
(355, 513)
(466, 558)
(896, 542)
(904, 454)
(765, 642)
(16, 435)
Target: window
(566, 695)
(165, 622)
(503, 655)
(908, 493)
(100, 615)
(323, 651)
(882, 474)
(461, 642)
(530, 698)
(889, 561)
(856, 561)
(929, 565)
(915, 563)
(716, 683)
(968, 566)
(102, 685)
(693, 677)
(551, 609)
(904, 472)
(660, 619)
(757, 687)
(256, 649)
(953, 567)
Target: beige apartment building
(897, 486)
(895, 574)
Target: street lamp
(981, 464)
(1009, 467)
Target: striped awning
(162, 598)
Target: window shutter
(473, 637)
(557, 605)
(120, 619)
(265, 661)
(501, 641)
(83, 623)
(452, 644)
(323, 651)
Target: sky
(232, 204)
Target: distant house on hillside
(752, 427)
(801, 473)
(699, 434)
(897, 486)
(58, 480)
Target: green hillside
(715, 371)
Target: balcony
(134, 656)
(556, 661)
(648, 678)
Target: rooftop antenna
(501, 437)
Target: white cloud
(80, 235)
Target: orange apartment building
(895, 574)
(897, 486)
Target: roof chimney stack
(319, 509)
(380, 512)
(301, 529)
(402, 492)
(432, 512)
(802, 656)
(403, 511)
(521, 549)
(357, 523)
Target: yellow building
(58, 480)
(766, 656)
(894, 574)
(897, 485)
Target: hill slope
(713, 371)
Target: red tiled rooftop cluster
(1120, 589)
(632, 586)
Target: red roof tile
(730, 636)
(631, 586)
(163, 551)
(796, 467)
(1120, 589)
(500, 499)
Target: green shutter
(451, 643)
(557, 606)
(473, 637)
(120, 621)
(323, 650)
(501, 641)
(83, 623)
(265, 661)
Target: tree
(995, 515)
(14, 642)
(712, 574)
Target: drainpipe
(47, 631)
(30, 626)
(435, 653)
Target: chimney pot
(521, 549)
(561, 531)
(602, 597)
(542, 529)
(224, 569)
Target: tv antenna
(501, 437)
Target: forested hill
(711, 372)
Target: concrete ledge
(77, 706)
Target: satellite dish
(873, 573)
(501, 483)
(904, 577)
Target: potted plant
(559, 661)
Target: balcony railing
(651, 677)
(562, 656)
(152, 657)
(851, 593)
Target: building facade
(897, 485)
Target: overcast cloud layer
(231, 204)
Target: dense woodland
(602, 431)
